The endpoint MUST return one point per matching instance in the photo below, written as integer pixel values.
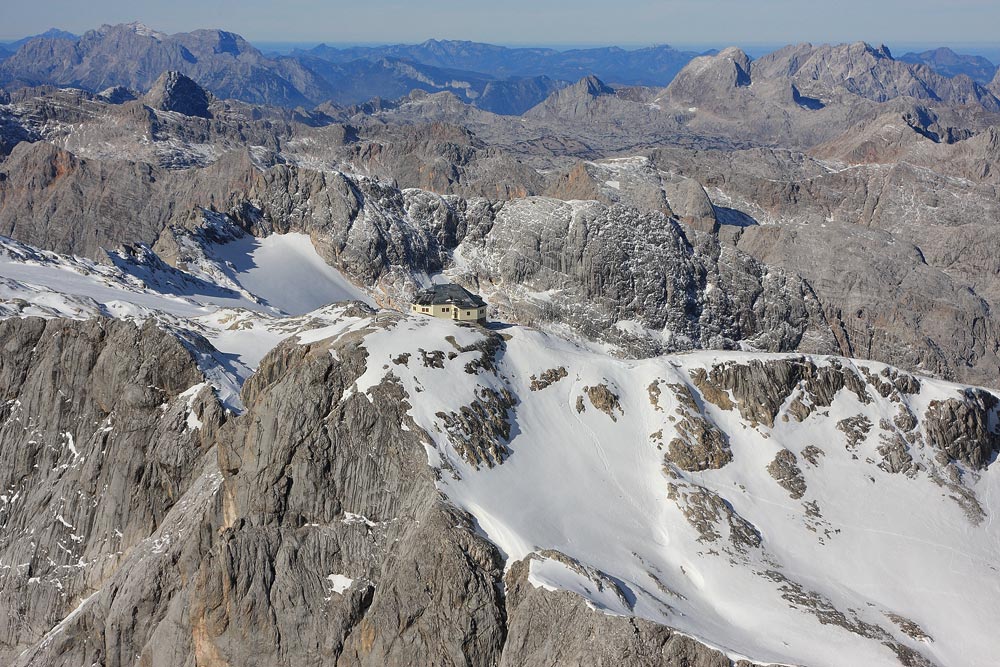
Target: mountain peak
(592, 86)
(56, 33)
(878, 52)
(142, 29)
(174, 91)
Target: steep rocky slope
(107, 430)
(624, 276)
(305, 531)
(804, 94)
(361, 509)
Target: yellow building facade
(450, 302)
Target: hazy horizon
(989, 50)
(967, 23)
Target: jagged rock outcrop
(119, 95)
(787, 473)
(965, 429)
(700, 444)
(760, 389)
(175, 92)
(693, 207)
(636, 267)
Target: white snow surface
(339, 583)
(285, 271)
(244, 297)
(588, 498)
(885, 546)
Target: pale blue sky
(624, 22)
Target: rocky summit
(735, 400)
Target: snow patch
(339, 583)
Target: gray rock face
(119, 95)
(642, 188)
(711, 76)
(694, 291)
(556, 628)
(963, 428)
(52, 199)
(175, 92)
(305, 531)
(691, 204)
(98, 450)
(439, 157)
(883, 312)
(575, 101)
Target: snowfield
(865, 561)
(243, 296)
(827, 533)
(285, 271)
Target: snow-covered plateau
(781, 508)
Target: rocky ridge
(189, 577)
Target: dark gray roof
(450, 294)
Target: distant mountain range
(134, 55)
(498, 79)
(51, 33)
(652, 66)
(947, 62)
